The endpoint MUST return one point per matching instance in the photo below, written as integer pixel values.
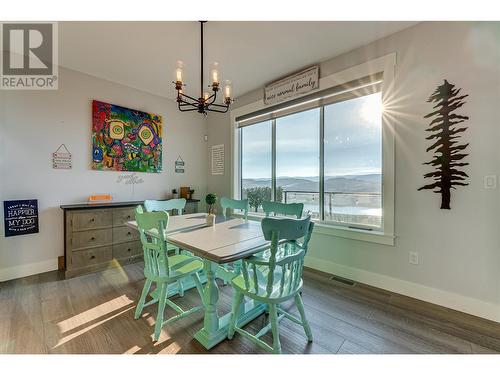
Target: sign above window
(292, 86)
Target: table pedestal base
(214, 327)
(251, 310)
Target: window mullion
(322, 163)
(240, 162)
(273, 158)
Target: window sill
(354, 234)
(342, 232)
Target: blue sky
(352, 141)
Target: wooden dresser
(96, 237)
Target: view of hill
(349, 183)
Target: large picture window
(328, 157)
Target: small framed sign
(179, 165)
(61, 159)
(292, 86)
(21, 217)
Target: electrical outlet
(413, 259)
(490, 182)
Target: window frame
(384, 65)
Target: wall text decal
(292, 86)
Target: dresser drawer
(124, 234)
(90, 238)
(122, 215)
(127, 249)
(85, 258)
(90, 219)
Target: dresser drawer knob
(128, 233)
(129, 249)
(92, 220)
(92, 257)
(128, 217)
(92, 238)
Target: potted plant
(211, 200)
(175, 195)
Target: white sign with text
(218, 160)
(292, 86)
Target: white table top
(227, 241)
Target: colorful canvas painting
(124, 139)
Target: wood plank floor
(94, 314)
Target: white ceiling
(143, 54)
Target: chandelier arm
(184, 102)
(213, 97)
(220, 105)
(189, 97)
(186, 109)
(218, 111)
(188, 106)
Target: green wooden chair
(162, 269)
(172, 204)
(168, 205)
(234, 204)
(275, 279)
(277, 208)
(285, 209)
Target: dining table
(228, 240)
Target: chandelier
(205, 103)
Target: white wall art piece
(218, 159)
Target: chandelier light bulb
(179, 71)
(214, 72)
(228, 90)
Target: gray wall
(34, 123)
(459, 249)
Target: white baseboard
(440, 297)
(28, 269)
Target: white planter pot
(210, 220)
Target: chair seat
(277, 294)
(195, 265)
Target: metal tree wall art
(445, 133)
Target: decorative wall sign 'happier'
(445, 133)
(21, 217)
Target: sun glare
(371, 109)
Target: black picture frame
(20, 217)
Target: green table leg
(214, 327)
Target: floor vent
(342, 280)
